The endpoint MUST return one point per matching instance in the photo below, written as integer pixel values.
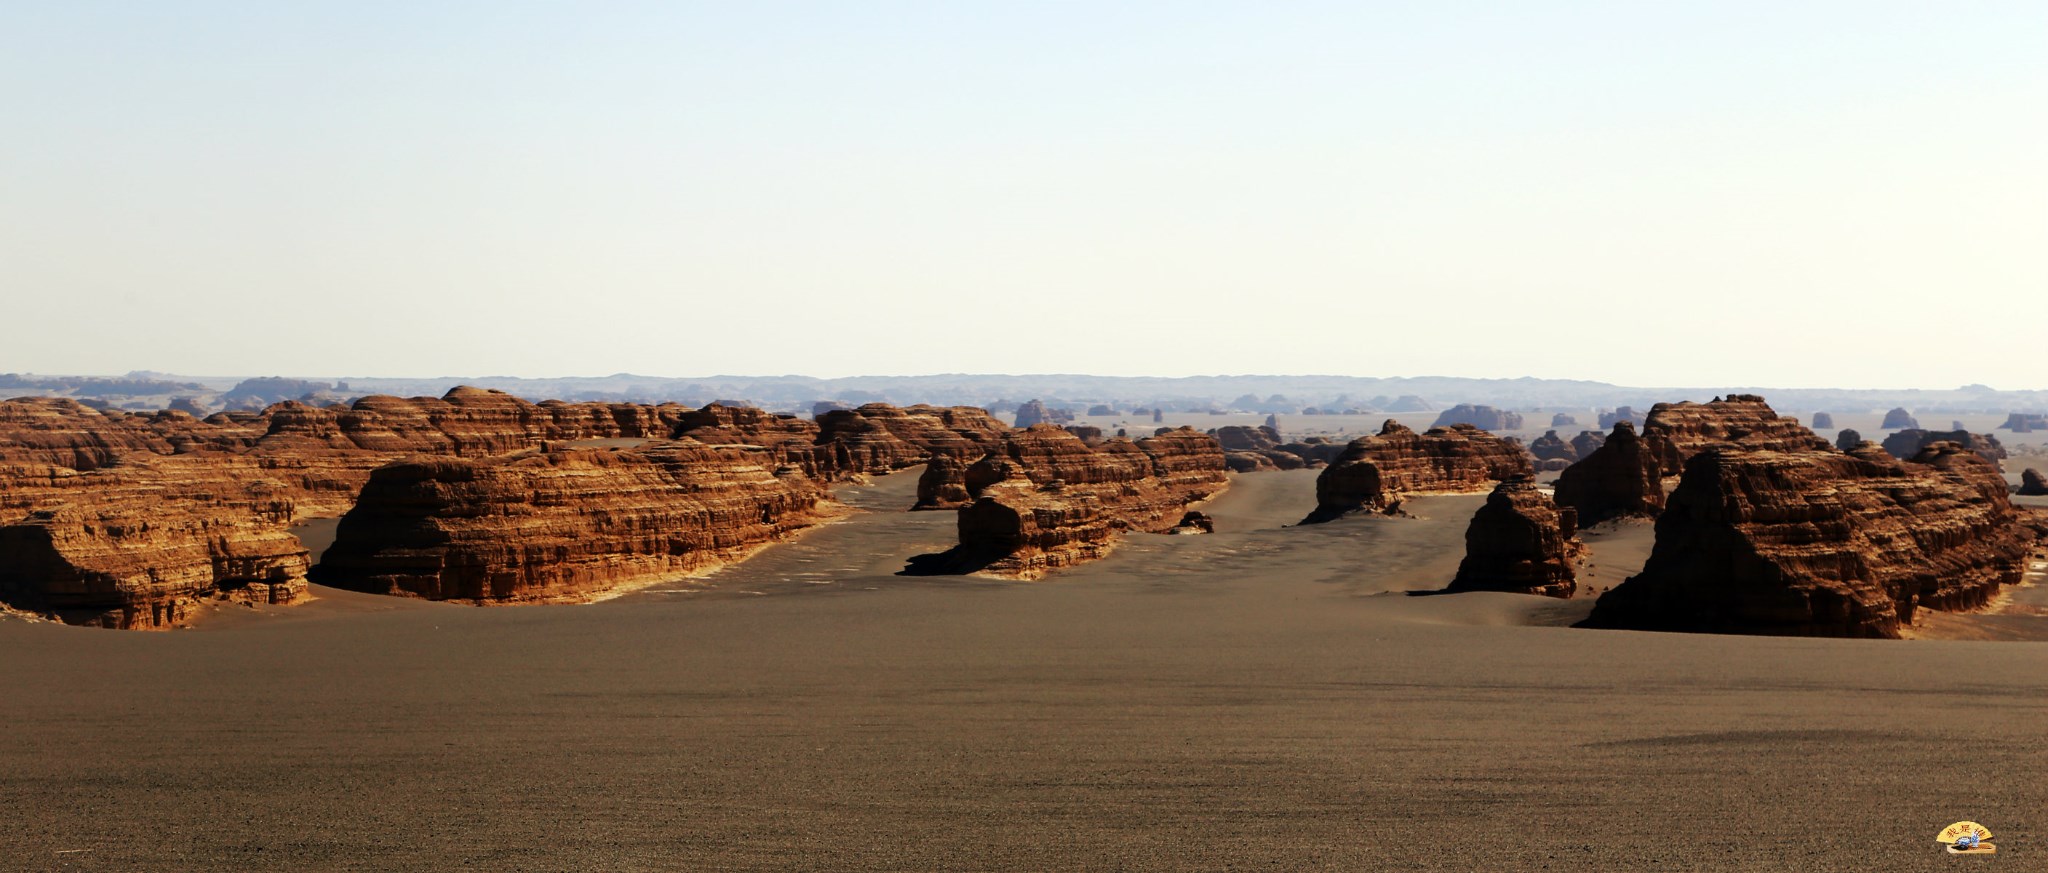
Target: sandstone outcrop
(1822, 543)
(2032, 484)
(1046, 500)
(1373, 472)
(1823, 421)
(943, 484)
(1899, 418)
(1909, 442)
(1035, 412)
(1848, 439)
(1625, 413)
(1677, 431)
(556, 527)
(1551, 446)
(1482, 417)
(1588, 442)
(1563, 420)
(1619, 479)
(1238, 438)
(1520, 542)
(878, 438)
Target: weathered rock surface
(1551, 446)
(1899, 417)
(943, 484)
(142, 544)
(878, 438)
(1562, 420)
(1677, 431)
(2032, 484)
(1822, 543)
(1823, 421)
(1520, 542)
(554, 527)
(1375, 471)
(1848, 439)
(1588, 442)
(1621, 478)
(1047, 500)
(1482, 417)
(1909, 442)
(1238, 438)
(1035, 412)
(1625, 413)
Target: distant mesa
(1373, 472)
(1817, 542)
(1100, 410)
(1035, 412)
(2032, 484)
(1563, 420)
(1625, 413)
(1586, 443)
(2025, 422)
(1907, 443)
(254, 394)
(1404, 403)
(1899, 418)
(1823, 421)
(1482, 417)
(1550, 446)
(1520, 542)
(1088, 433)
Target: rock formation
(1626, 413)
(1563, 420)
(1587, 442)
(569, 526)
(1102, 410)
(1237, 438)
(943, 485)
(1273, 424)
(1405, 403)
(1899, 418)
(1373, 473)
(1158, 415)
(1822, 543)
(1035, 412)
(1823, 421)
(1848, 439)
(1621, 478)
(1047, 500)
(1551, 446)
(1482, 417)
(1909, 442)
(2025, 422)
(1677, 431)
(2032, 484)
(1520, 542)
(1088, 433)
(1194, 522)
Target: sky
(1812, 194)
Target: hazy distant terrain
(1248, 393)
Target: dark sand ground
(1265, 698)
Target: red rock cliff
(1520, 542)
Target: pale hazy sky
(1650, 193)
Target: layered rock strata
(1822, 543)
(1899, 418)
(1621, 478)
(1520, 542)
(1374, 472)
(1909, 442)
(1677, 431)
(564, 526)
(1550, 446)
(1047, 500)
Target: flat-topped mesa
(1823, 421)
(564, 527)
(1619, 479)
(1520, 542)
(2032, 484)
(1626, 413)
(878, 438)
(1047, 500)
(62, 432)
(1550, 446)
(1677, 431)
(1908, 443)
(1822, 543)
(943, 484)
(1482, 417)
(1588, 442)
(1899, 419)
(1374, 472)
(2025, 422)
(1562, 419)
(142, 544)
